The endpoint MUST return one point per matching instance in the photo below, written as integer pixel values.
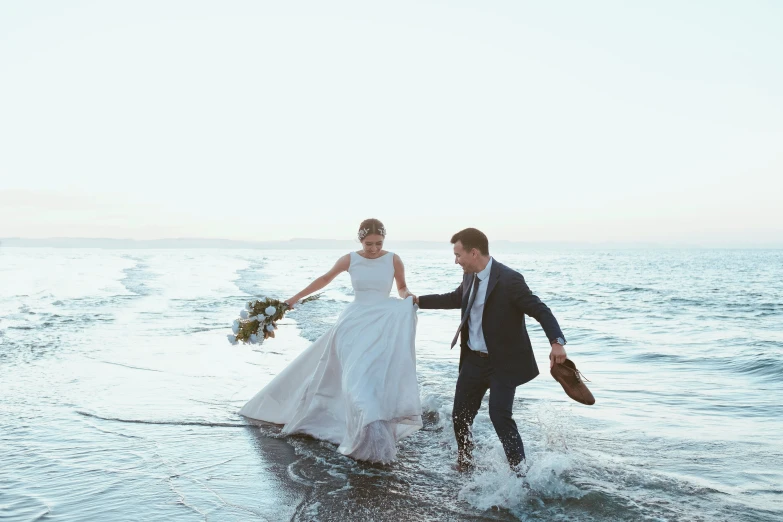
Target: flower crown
(364, 231)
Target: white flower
(270, 327)
(253, 338)
(243, 314)
(252, 318)
(261, 318)
(232, 339)
(270, 310)
(235, 326)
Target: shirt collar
(484, 274)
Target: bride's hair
(371, 226)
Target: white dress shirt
(475, 331)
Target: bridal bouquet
(258, 321)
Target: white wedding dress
(356, 385)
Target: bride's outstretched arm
(340, 266)
(399, 276)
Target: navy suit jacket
(507, 302)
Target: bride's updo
(369, 227)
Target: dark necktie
(472, 298)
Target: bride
(356, 385)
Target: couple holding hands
(356, 385)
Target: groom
(495, 351)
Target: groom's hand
(557, 355)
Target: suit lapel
(494, 275)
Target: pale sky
(563, 121)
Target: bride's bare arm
(399, 276)
(340, 266)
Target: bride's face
(372, 245)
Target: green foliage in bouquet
(259, 320)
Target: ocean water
(119, 392)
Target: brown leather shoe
(571, 381)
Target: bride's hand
(290, 302)
(412, 296)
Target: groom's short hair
(472, 238)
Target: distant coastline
(338, 244)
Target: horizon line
(224, 242)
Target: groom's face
(467, 259)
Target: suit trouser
(476, 377)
